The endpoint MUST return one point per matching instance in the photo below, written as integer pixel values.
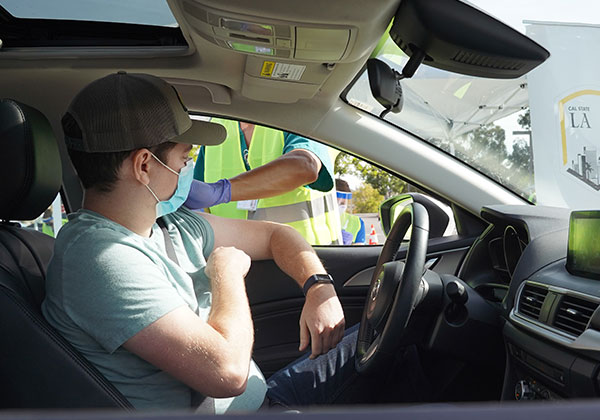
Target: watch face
(323, 278)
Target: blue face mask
(184, 183)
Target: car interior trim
(44, 53)
(363, 278)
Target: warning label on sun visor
(282, 71)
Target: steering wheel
(393, 292)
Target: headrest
(30, 167)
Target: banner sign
(564, 99)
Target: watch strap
(316, 278)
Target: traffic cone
(373, 236)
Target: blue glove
(203, 195)
(347, 237)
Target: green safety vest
(351, 224)
(48, 228)
(312, 213)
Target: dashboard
(551, 318)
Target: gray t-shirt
(106, 283)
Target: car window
(144, 12)
(370, 187)
(351, 204)
(90, 23)
(45, 222)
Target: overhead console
(286, 61)
(265, 37)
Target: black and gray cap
(127, 111)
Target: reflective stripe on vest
(312, 213)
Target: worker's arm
(322, 318)
(212, 357)
(292, 170)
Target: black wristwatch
(316, 278)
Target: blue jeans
(329, 379)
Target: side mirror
(385, 86)
(390, 209)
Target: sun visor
(321, 44)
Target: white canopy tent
(442, 105)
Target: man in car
(162, 312)
(260, 173)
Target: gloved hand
(347, 237)
(203, 195)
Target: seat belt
(168, 241)
(203, 403)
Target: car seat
(38, 367)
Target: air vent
(531, 300)
(573, 314)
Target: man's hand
(212, 356)
(322, 320)
(226, 263)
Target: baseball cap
(127, 111)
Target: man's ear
(141, 161)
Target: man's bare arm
(211, 357)
(322, 319)
(294, 169)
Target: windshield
(534, 135)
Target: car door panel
(276, 300)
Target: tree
(521, 155)
(486, 141)
(484, 149)
(524, 120)
(366, 199)
(387, 185)
(343, 164)
(521, 161)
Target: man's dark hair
(342, 186)
(100, 170)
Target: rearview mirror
(390, 209)
(455, 36)
(385, 86)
